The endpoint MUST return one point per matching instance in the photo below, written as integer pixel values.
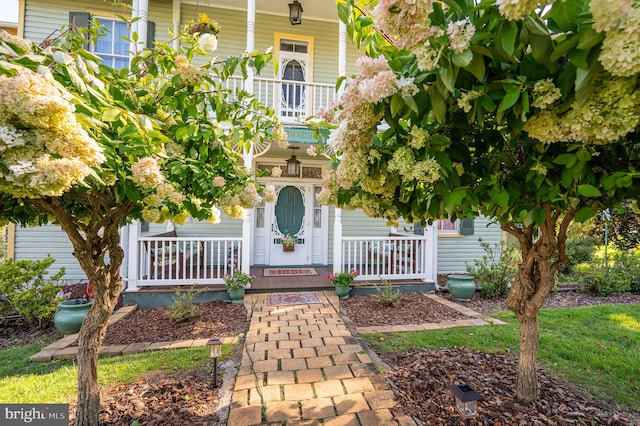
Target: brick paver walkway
(301, 365)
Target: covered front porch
(168, 260)
(151, 296)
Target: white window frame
(108, 59)
(448, 232)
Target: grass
(597, 348)
(23, 381)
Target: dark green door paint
(289, 210)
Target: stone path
(301, 365)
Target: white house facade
(310, 56)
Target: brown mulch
(560, 299)
(217, 318)
(181, 398)
(364, 311)
(421, 380)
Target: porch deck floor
(320, 281)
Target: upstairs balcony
(292, 100)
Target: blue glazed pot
(236, 295)
(461, 287)
(343, 292)
(70, 315)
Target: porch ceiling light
(293, 164)
(466, 401)
(295, 13)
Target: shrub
(580, 250)
(620, 277)
(183, 308)
(24, 291)
(495, 270)
(385, 295)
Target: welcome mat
(288, 272)
(282, 299)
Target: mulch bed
(217, 318)
(364, 311)
(421, 380)
(183, 398)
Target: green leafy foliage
(495, 270)
(25, 291)
(385, 295)
(183, 308)
(237, 280)
(622, 276)
(580, 250)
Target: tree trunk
(91, 336)
(541, 258)
(527, 381)
(93, 239)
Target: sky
(9, 11)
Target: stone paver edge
(477, 319)
(63, 348)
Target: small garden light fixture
(295, 13)
(466, 401)
(215, 350)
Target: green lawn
(597, 347)
(23, 381)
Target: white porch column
(124, 243)
(337, 241)
(431, 254)
(140, 9)
(342, 49)
(175, 17)
(132, 258)
(251, 37)
(247, 221)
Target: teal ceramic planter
(461, 287)
(236, 295)
(70, 315)
(343, 292)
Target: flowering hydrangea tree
(500, 108)
(91, 149)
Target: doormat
(282, 299)
(288, 272)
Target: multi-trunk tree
(524, 111)
(91, 148)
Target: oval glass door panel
(289, 210)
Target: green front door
(290, 210)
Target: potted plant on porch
(236, 285)
(288, 241)
(342, 282)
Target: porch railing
(184, 260)
(388, 258)
(290, 99)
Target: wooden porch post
(132, 257)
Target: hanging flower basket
(204, 25)
(291, 247)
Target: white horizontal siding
(43, 17)
(357, 224)
(35, 243)
(455, 252)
